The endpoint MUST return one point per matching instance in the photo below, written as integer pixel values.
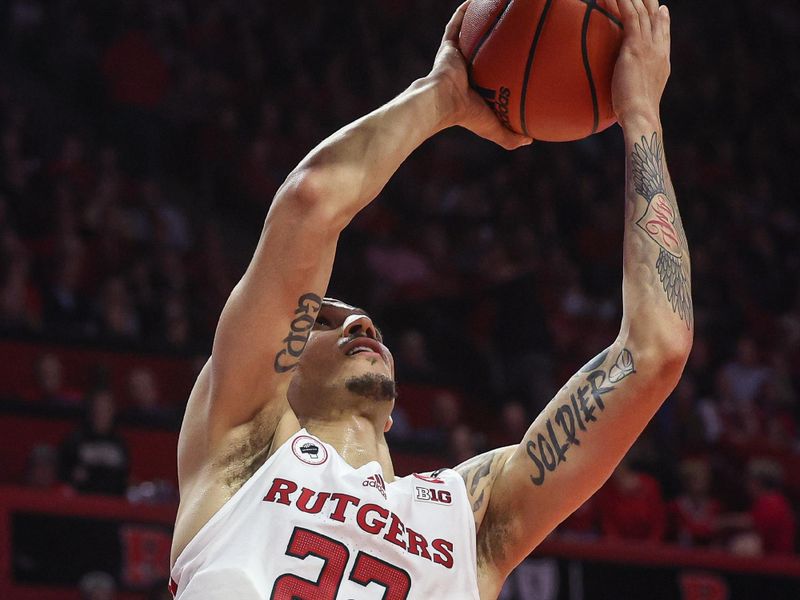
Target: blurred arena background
(141, 145)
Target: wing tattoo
(676, 285)
(662, 223)
(648, 168)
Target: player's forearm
(348, 170)
(657, 302)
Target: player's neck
(356, 439)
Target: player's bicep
(570, 450)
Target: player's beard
(372, 385)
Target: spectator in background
(20, 301)
(463, 444)
(689, 424)
(446, 417)
(117, 312)
(744, 378)
(144, 400)
(137, 80)
(413, 359)
(66, 310)
(512, 425)
(41, 472)
(631, 507)
(693, 514)
(94, 458)
(582, 524)
(770, 518)
(97, 585)
(49, 386)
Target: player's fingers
(510, 140)
(644, 17)
(652, 9)
(665, 22)
(613, 6)
(661, 26)
(629, 16)
(454, 26)
(487, 126)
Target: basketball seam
(588, 66)
(604, 11)
(529, 65)
(488, 32)
(611, 17)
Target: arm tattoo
(474, 471)
(476, 506)
(596, 362)
(662, 223)
(481, 471)
(548, 449)
(294, 343)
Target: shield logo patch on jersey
(309, 450)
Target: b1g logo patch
(432, 495)
(309, 450)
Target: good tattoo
(662, 223)
(308, 306)
(565, 428)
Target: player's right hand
(643, 66)
(461, 105)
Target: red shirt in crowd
(774, 521)
(637, 513)
(693, 522)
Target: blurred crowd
(141, 144)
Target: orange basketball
(545, 66)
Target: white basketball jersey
(308, 526)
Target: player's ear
(388, 426)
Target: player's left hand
(461, 105)
(643, 66)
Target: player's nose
(356, 325)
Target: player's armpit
(571, 449)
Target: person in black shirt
(94, 457)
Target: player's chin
(372, 385)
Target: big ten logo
(145, 555)
(433, 495)
(703, 586)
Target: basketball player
(287, 487)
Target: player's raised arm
(266, 321)
(520, 494)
